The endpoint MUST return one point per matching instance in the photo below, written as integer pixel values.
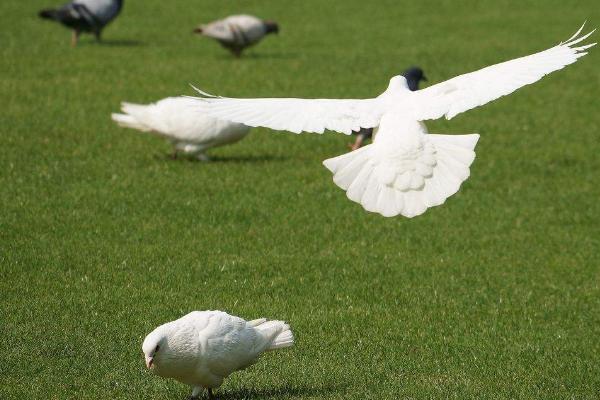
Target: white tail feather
(133, 116)
(278, 332)
(127, 121)
(408, 187)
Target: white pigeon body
(236, 32)
(204, 347)
(405, 170)
(180, 120)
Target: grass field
(496, 294)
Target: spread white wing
(448, 98)
(298, 115)
(471, 90)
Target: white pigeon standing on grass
(405, 170)
(204, 347)
(237, 32)
(180, 120)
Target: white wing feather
(232, 343)
(298, 115)
(471, 90)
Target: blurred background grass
(102, 237)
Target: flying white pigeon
(238, 32)
(180, 120)
(405, 170)
(204, 347)
(85, 16)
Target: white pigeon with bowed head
(180, 120)
(238, 32)
(405, 170)
(203, 348)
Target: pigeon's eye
(157, 347)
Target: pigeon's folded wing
(471, 90)
(219, 30)
(298, 115)
(100, 11)
(230, 343)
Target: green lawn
(495, 294)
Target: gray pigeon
(238, 32)
(85, 16)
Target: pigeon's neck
(119, 4)
(397, 84)
(413, 79)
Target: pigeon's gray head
(154, 346)
(413, 76)
(271, 26)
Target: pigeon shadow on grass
(277, 392)
(223, 159)
(120, 43)
(247, 159)
(260, 55)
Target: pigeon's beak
(197, 30)
(149, 362)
